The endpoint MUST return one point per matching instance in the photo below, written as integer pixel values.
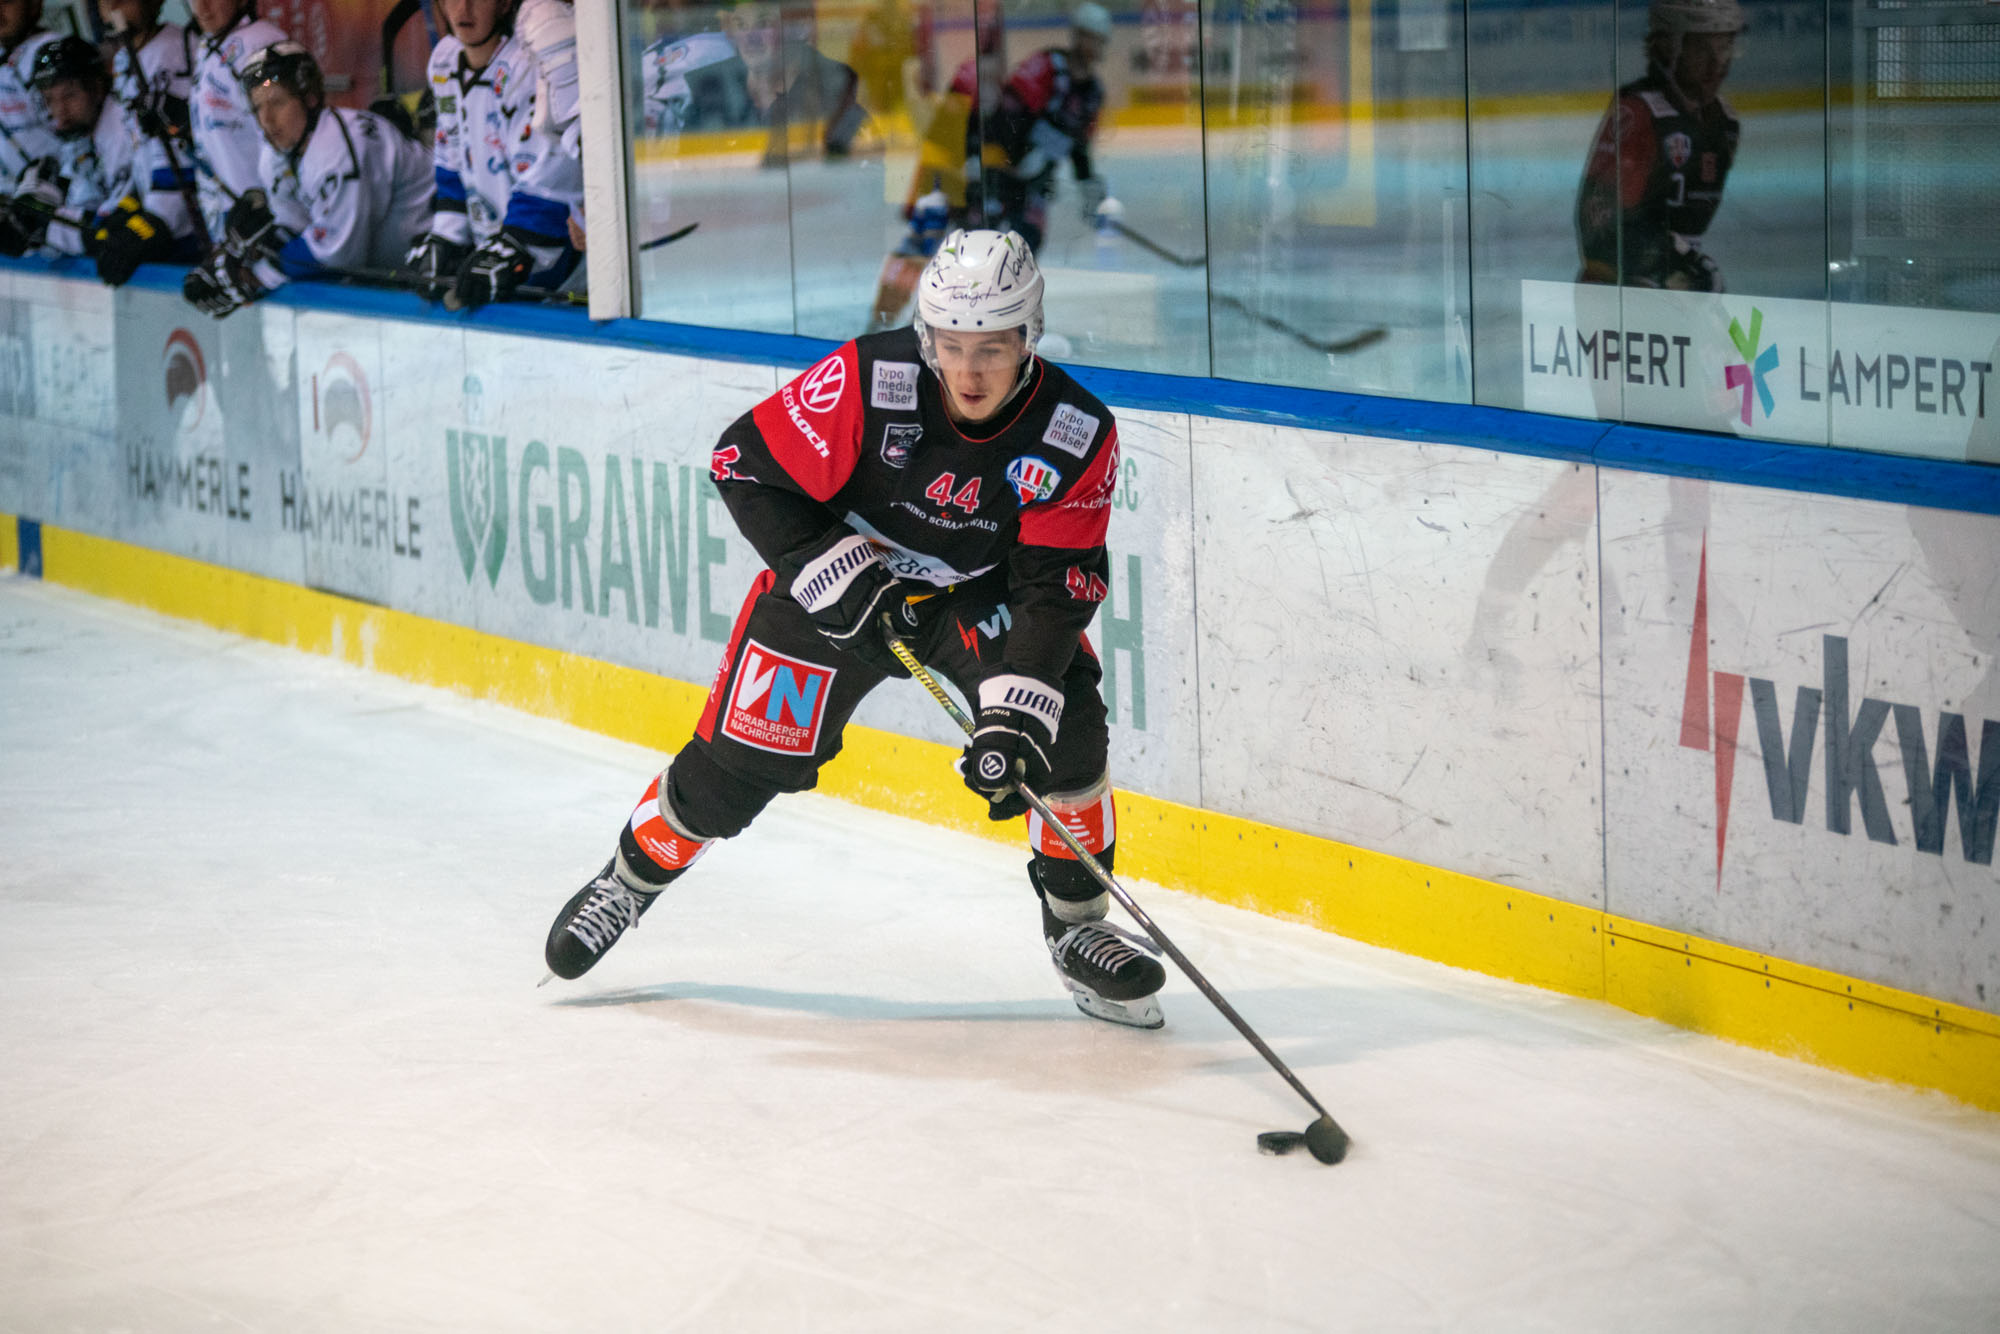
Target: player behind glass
(947, 477)
(363, 188)
(25, 134)
(937, 197)
(227, 142)
(93, 196)
(152, 75)
(760, 69)
(1047, 112)
(1656, 170)
(507, 187)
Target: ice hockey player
(152, 76)
(1048, 111)
(1655, 174)
(90, 198)
(506, 190)
(227, 142)
(363, 187)
(25, 135)
(947, 477)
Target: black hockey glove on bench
(845, 588)
(1017, 722)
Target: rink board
(1428, 695)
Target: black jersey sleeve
(1057, 574)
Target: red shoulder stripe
(813, 425)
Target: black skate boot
(591, 922)
(1111, 973)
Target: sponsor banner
(206, 429)
(351, 517)
(1398, 649)
(56, 403)
(1867, 377)
(1802, 754)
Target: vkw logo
(343, 414)
(186, 376)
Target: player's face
(977, 369)
(133, 16)
(280, 114)
(1704, 63)
(73, 106)
(17, 19)
(472, 21)
(753, 30)
(215, 15)
(1085, 50)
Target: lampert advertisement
(1861, 377)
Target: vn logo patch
(778, 703)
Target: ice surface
(274, 1058)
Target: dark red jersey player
(947, 477)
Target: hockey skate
(592, 921)
(1111, 973)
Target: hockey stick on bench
(1324, 1137)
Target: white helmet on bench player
(980, 282)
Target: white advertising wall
(1766, 718)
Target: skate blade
(1144, 1012)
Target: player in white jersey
(227, 142)
(506, 190)
(363, 186)
(25, 135)
(152, 76)
(86, 200)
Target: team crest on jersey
(1679, 149)
(821, 389)
(899, 441)
(1071, 430)
(778, 703)
(895, 386)
(1032, 479)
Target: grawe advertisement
(1863, 377)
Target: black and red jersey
(863, 439)
(1656, 170)
(1045, 91)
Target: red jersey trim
(812, 426)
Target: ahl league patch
(900, 440)
(1032, 479)
(778, 702)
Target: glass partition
(1767, 218)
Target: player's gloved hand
(24, 222)
(211, 289)
(1092, 191)
(161, 115)
(492, 272)
(250, 228)
(845, 588)
(433, 264)
(1691, 270)
(126, 237)
(1017, 722)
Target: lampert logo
(186, 379)
(343, 413)
(1711, 717)
(1756, 365)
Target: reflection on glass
(1336, 188)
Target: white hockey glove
(1018, 718)
(210, 288)
(25, 218)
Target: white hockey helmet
(980, 282)
(1092, 18)
(1675, 18)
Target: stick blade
(1327, 1140)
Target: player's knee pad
(707, 800)
(655, 846)
(1072, 892)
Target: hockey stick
(1324, 1137)
(1145, 242)
(1336, 347)
(669, 238)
